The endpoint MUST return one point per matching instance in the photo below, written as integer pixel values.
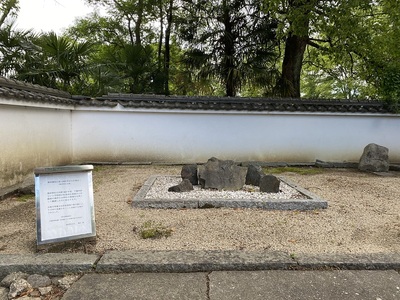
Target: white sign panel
(64, 204)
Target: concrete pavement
(230, 285)
(217, 274)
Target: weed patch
(24, 198)
(298, 170)
(153, 230)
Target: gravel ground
(363, 217)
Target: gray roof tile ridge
(29, 87)
(245, 104)
(10, 88)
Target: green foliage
(224, 47)
(56, 62)
(232, 42)
(8, 9)
(153, 230)
(25, 198)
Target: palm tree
(57, 62)
(13, 45)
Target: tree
(8, 8)
(330, 26)
(57, 62)
(230, 40)
(13, 45)
(381, 57)
(352, 50)
(298, 12)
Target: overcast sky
(47, 15)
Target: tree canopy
(285, 48)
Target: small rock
(66, 282)
(34, 293)
(184, 186)
(254, 173)
(269, 184)
(37, 281)
(18, 287)
(55, 280)
(45, 290)
(6, 282)
(190, 172)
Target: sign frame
(64, 194)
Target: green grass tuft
(298, 170)
(25, 198)
(153, 230)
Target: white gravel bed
(159, 191)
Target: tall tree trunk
(167, 47)
(138, 25)
(229, 53)
(295, 46)
(289, 83)
(160, 40)
(130, 31)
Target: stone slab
(372, 261)
(139, 286)
(284, 285)
(52, 264)
(313, 201)
(192, 261)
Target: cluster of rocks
(228, 176)
(23, 286)
(225, 175)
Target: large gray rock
(375, 158)
(254, 174)
(269, 184)
(184, 186)
(222, 175)
(190, 172)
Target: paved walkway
(229, 285)
(217, 274)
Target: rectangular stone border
(314, 202)
(132, 261)
(128, 261)
(54, 264)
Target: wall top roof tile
(19, 90)
(30, 92)
(245, 104)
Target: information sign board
(64, 204)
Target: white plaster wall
(32, 137)
(48, 135)
(194, 136)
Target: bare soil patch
(363, 217)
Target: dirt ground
(363, 217)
